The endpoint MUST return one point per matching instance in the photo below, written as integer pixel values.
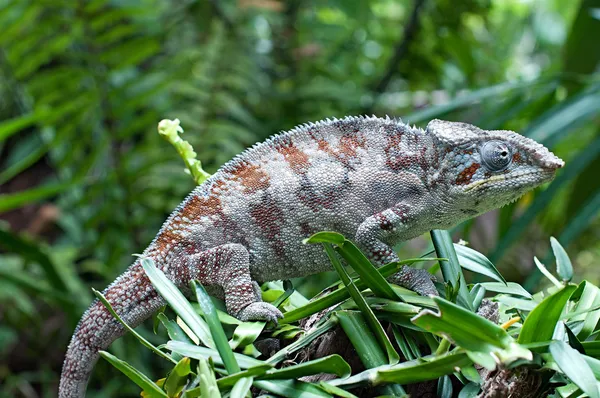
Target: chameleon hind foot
(260, 311)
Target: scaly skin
(377, 181)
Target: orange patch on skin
(252, 177)
(297, 159)
(350, 143)
(516, 157)
(466, 175)
(217, 186)
(201, 206)
(193, 208)
(323, 146)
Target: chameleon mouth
(541, 176)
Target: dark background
(85, 180)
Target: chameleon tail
(134, 299)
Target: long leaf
(442, 242)
(563, 118)
(198, 352)
(216, 329)
(564, 268)
(540, 323)
(291, 388)
(372, 321)
(581, 220)
(178, 377)
(575, 367)
(469, 98)
(30, 250)
(229, 381)
(471, 332)
(13, 126)
(135, 375)
(178, 302)
(138, 336)
(337, 296)
(476, 262)
(429, 368)
(366, 345)
(333, 364)
(10, 201)
(357, 260)
(589, 298)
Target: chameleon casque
(377, 181)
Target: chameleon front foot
(260, 311)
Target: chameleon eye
(496, 155)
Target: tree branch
(408, 34)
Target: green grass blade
(208, 383)
(216, 329)
(291, 388)
(242, 387)
(509, 288)
(332, 364)
(286, 294)
(177, 378)
(246, 333)
(581, 220)
(575, 367)
(470, 390)
(423, 369)
(476, 262)
(173, 329)
(451, 270)
(372, 321)
(229, 381)
(336, 391)
(337, 296)
(138, 336)
(592, 348)
(10, 201)
(22, 164)
(366, 345)
(594, 364)
(198, 352)
(540, 323)
(564, 268)
(544, 270)
(587, 309)
(564, 117)
(178, 302)
(403, 342)
(359, 263)
(334, 238)
(13, 126)
(30, 250)
(474, 96)
(512, 302)
(149, 387)
(444, 388)
(471, 332)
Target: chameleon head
(490, 168)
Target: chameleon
(378, 181)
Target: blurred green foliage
(85, 180)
